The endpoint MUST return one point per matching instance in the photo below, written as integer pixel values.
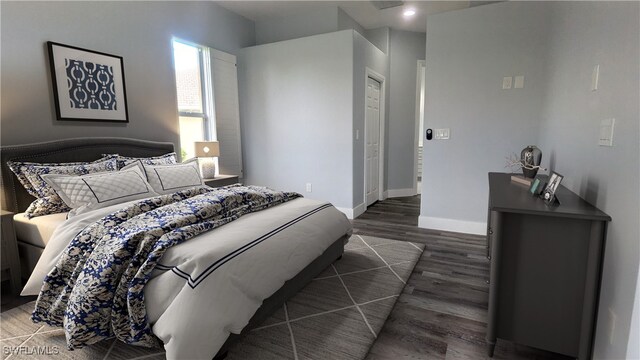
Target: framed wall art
(87, 85)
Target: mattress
(37, 231)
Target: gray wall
(379, 37)
(468, 53)
(297, 115)
(365, 55)
(141, 32)
(346, 22)
(406, 48)
(584, 34)
(310, 91)
(314, 21)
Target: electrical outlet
(308, 187)
(506, 82)
(518, 82)
(612, 324)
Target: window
(208, 107)
(194, 124)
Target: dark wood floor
(442, 312)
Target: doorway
(420, 135)
(372, 142)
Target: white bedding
(38, 230)
(194, 317)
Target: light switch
(506, 82)
(357, 134)
(519, 82)
(606, 132)
(595, 77)
(442, 134)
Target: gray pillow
(166, 179)
(99, 190)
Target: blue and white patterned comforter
(132, 274)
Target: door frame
(416, 140)
(370, 73)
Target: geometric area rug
(341, 312)
(336, 316)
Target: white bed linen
(194, 318)
(38, 230)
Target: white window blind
(224, 76)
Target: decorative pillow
(48, 202)
(165, 159)
(101, 189)
(46, 206)
(166, 179)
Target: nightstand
(222, 180)
(10, 262)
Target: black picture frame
(541, 187)
(549, 193)
(87, 85)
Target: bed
(33, 236)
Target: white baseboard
(359, 210)
(385, 194)
(353, 213)
(392, 193)
(461, 226)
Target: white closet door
(372, 129)
(227, 112)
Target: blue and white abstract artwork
(91, 85)
(87, 85)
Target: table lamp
(207, 150)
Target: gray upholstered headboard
(15, 197)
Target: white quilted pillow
(167, 179)
(100, 189)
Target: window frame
(205, 93)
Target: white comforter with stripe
(211, 285)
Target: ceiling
(364, 12)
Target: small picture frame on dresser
(541, 187)
(534, 189)
(549, 193)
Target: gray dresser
(546, 263)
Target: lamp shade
(207, 148)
